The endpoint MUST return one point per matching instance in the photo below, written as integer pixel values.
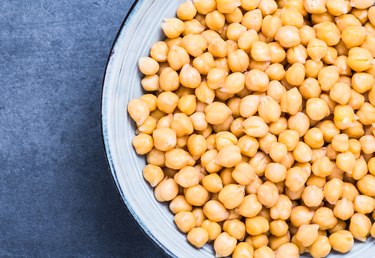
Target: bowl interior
(122, 83)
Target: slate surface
(57, 198)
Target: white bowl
(139, 31)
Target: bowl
(140, 29)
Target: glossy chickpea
(256, 225)
(264, 252)
(353, 36)
(341, 93)
(360, 226)
(238, 61)
(224, 245)
(343, 116)
(243, 173)
(213, 229)
(366, 114)
(288, 36)
(343, 209)
(232, 195)
(299, 122)
(301, 215)
(166, 190)
(312, 196)
(277, 52)
(325, 218)
(179, 204)
(313, 68)
(253, 20)
(359, 59)
(243, 250)
(198, 237)
(366, 185)
(185, 221)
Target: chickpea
(264, 252)
(185, 221)
(229, 156)
(366, 114)
(295, 179)
(249, 5)
(277, 52)
(302, 152)
(315, 7)
(288, 36)
(243, 173)
(179, 204)
(295, 75)
(353, 36)
(362, 82)
(248, 145)
(235, 228)
(313, 68)
(250, 206)
(256, 80)
(299, 122)
(282, 209)
(301, 215)
(275, 72)
(198, 237)
(341, 93)
(269, 109)
(364, 204)
(325, 218)
(166, 190)
(256, 225)
(193, 26)
(217, 113)
(343, 116)
(178, 158)
(142, 143)
(213, 229)
(260, 51)
(291, 101)
(186, 11)
(255, 126)
(328, 32)
(234, 83)
(371, 166)
(243, 250)
(307, 234)
(362, 4)
(278, 127)
(307, 34)
(343, 209)
(156, 157)
(275, 172)
(268, 194)
(312, 196)
(252, 20)
(340, 143)
(315, 181)
(238, 61)
(270, 26)
(359, 59)
(366, 185)
(232, 195)
(249, 105)
(321, 247)
(224, 245)
(317, 49)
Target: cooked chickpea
(198, 237)
(359, 59)
(234, 83)
(341, 241)
(313, 68)
(312, 196)
(224, 245)
(299, 122)
(295, 75)
(255, 126)
(238, 61)
(288, 36)
(252, 20)
(301, 215)
(243, 250)
(264, 252)
(243, 173)
(256, 225)
(366, 185)
(185, 221)
(166, 190)
(256, 80)
(142, 143)
(325, 218)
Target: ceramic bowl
(139, 31)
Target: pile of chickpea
(259, 125)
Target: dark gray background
(57, 197)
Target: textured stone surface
(57, 197)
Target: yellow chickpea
(250, 206)
(325, 218)
(213, 229)
(252, 20)
(295, 74)
(232, 195)
(224, 245)
(288, 36)
(179, 204)
(359, 59)
(234, 83)
(341, 93)
(299, 122)
(328, 32)
(238, 61)
(243, 250)
(256, 225)
(166, 190)
(313, 68)
(301, 215)
(185, 221)
(198, 237)
(312, 196)
(217, 113)
(255, 126)
(243, 173)
(366, 185)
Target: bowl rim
(104, 136)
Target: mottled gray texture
(57, 197)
